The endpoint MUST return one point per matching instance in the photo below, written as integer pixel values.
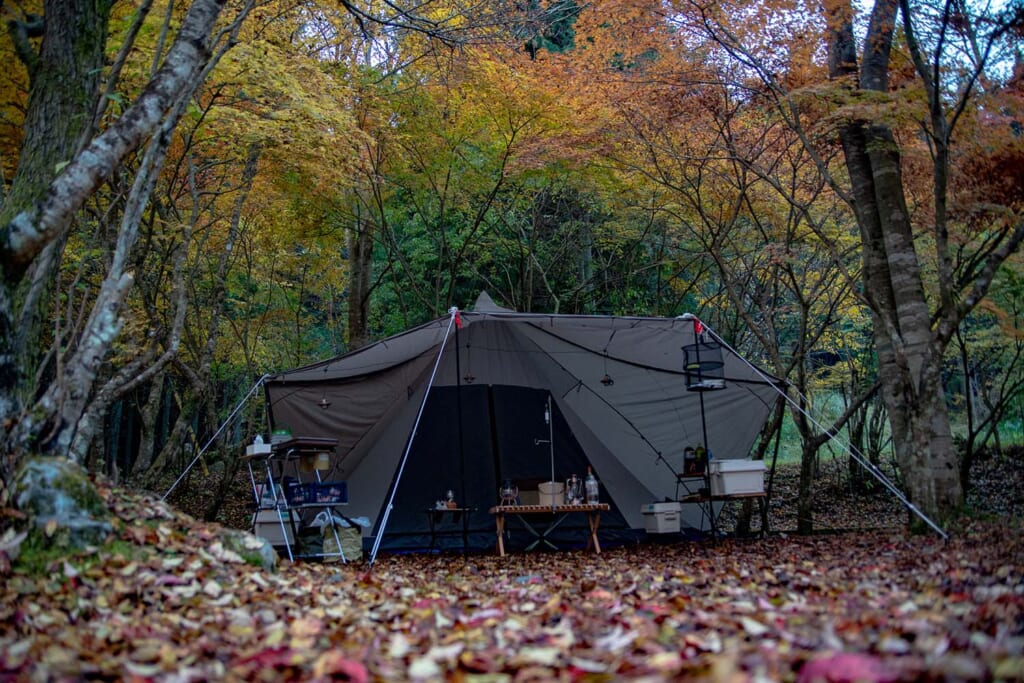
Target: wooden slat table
(557, 512)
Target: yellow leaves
(304, 632)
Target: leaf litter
(171, 604)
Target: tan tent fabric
(632, 430)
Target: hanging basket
(704, 367)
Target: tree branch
(30, 231)
(22, 31)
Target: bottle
(258, 439)
(591, 487)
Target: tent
(469, 400)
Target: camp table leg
(594, 519)
(542, 536)
(499, 521)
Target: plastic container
(551, 493)
(661, 518)
(733, 477)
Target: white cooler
(661, 518)
(730, 477)
(267, 524)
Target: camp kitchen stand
(293, 491)
(706, 489)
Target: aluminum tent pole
(454, 312)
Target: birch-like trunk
(39, 212)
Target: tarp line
(454, 312)
(602, 399)
(224, 424)
(854, 452)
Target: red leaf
(846, 668)
(333, 665)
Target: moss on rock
(61, 502)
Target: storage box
(313, 493)
(266, 524)
(258, 449)
(731, 477)
(661, 518)
(551, 493)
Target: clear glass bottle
(593, 495)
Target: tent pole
(458, 425)
(704, 433)
(224, 424)
(550, 419)
(851, 449)
(412, 435)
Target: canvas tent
(459, 403)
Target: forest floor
(165, 601)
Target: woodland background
(337, 172)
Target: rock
(61, 502)
(251, 548)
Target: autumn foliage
(167, 602)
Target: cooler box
(258, 449)
(266, 524)
(661, 518)
(730, 477)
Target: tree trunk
(908, 360)
(360, 260)
(859, 481)
(150, 414)
(805, 495)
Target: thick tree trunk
(64, 79)
(908, 359)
